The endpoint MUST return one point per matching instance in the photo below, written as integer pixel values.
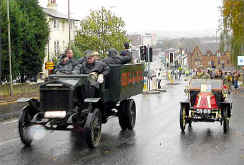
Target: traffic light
(171, 58)
(150, 54)
(146, 53)
(143, 52)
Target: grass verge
(19, 90)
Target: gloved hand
(100, 78)
(93, 75)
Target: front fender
(32, 105)
(228, 106)
(23, 100)
(185, 103)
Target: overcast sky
(153, 15)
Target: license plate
(55, 114)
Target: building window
(56, 47)
(223, 66)
(55, 24)
(197, 63)
(218, 61)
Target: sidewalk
(12, 99)
(9, 108)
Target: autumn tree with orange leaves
(233, 21)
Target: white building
(148, 39)
(59, 32)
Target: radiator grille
(55, 99)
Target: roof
(56, 14)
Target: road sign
(240, 60)
(49, 65)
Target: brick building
(208, 59)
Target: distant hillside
(184, 34)
(204, 43)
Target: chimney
(52, 4)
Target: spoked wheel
(24, 124)
(94, 129)
(183, 118)
(226, 124)
(127, 114)
(190, 123)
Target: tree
(35, 37)
(29, 35)
(233, 14)
(16, 17)
(101, 31)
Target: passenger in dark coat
(126, 54)
(81, 61)
(66, 63)
(114, 57)
(91, 65)
(97, 70)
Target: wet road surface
(156, 139)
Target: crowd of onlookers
(230, 78)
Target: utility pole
(217, 51)
(9, 52)
(69, 22)
(0, 48)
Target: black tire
(183, 118)
(24, 123)
(190, 123)
(94, 130)
(127, 114)
(61, 127)
(226, 124)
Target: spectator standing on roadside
(236, 78)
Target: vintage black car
(64, 104)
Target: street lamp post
(48, 48)
(0, 51)
(69, 21)
(9, 52)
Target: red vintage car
(207, 101)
